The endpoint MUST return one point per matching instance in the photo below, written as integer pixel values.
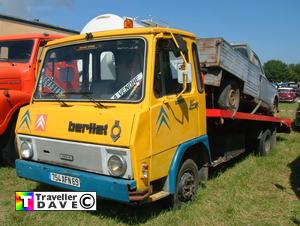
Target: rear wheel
(265, 143)
(229, 97)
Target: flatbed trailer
(232, 133)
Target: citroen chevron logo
(25, 119)
(40, 124)
(162, 118)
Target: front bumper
(105, 186)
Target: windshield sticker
(51, 85)
(132, 83)
(87, 47)
(127, 47)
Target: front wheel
(187, 183)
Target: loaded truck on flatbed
(235, 78)
(135, 128)
(19, 56)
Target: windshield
(242, 51)
(103, 70)
(16, 51)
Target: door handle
(193, 105)
(179, 100)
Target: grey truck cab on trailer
(235, 78)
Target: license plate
(63, 179)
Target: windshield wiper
(87, 94)
(56, 96)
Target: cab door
(254, 76)
(174, 118)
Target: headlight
(117, 165)
(26, 150)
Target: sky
(270, 27)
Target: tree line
(278, 71)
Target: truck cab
(19, 56)
(268, 95)
(115, 112)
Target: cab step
(158, 195)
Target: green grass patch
(249, 191)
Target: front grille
(83, 156)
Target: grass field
(248, 191)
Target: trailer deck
(283, 125)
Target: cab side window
(165, 78)
(243, 51)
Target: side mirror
(184, 71)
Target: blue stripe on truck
(178, 156)
(105, 186)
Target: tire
(187, 183)
(203, 174)
(273, 138)
(265, 143)
(9, 151)
(229, 97)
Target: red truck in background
(19, 56)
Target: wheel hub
(232, 97)
(268, 146)
(187, 185)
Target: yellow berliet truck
(130, 121)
